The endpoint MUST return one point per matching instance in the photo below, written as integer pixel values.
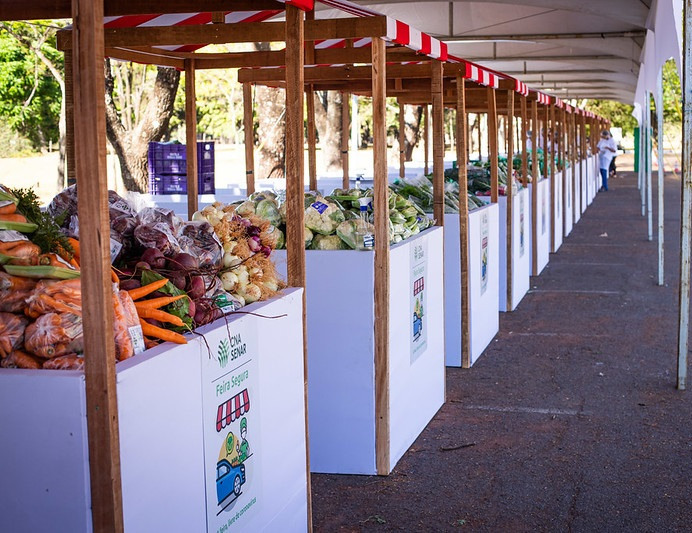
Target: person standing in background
(606, 152)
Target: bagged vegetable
(199, 240)
(323, 216)
(16, 244)
(65, 362)
(54, 334)
(328, 242)
(158, 215)
(348, 231)
(129, 339)
(269, 210)
(20, 359)
(55, 297)
(11, 333)
(157, 235)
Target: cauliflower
(323, 217)
(328, 242)
(308, 237)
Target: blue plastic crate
(168, 168)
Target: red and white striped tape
(542, 97)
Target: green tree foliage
(621, 114)
(30, 95)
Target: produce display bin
(542, 254)
(341, 347)
(569, 193)
(558, 213)
(584, 185)
(595, 176)
(576, 199)
(520, 257)
(483, 279)
(172, 403)
(167, 163)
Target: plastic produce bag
(129, 339)
(155, 215)
(157, 235)
(54, 334)
(11, 333)
(55, 297)
(20, 359)
(199, 240)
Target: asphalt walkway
(570, 421)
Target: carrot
(13, 217)
(8, 209)
(163, 334)
(141, 292)
(59, 306)
(161, 316)
(22, 249)
(155, 303)
(75, 247)
(54, 260)
(4, 246)
(114, 276)
(16, 283)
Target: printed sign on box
(418, 298)
(544, 212)
(232, 459)
(485, 231)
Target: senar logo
(224, 351)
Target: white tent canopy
(605, 49)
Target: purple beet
(154, 257)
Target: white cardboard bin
(483, 272)
(520, 256)
(543, 221)
(568, 211)
(341, 350)
(558, 212)
(162, 418)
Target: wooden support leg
(249, 134)
(191, 137)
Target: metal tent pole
(659, 116)
(642, 160)
(649, 165)
(686, 205)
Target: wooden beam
(462, 163)
(249, 135)
(534, 186)
(345, 135)
(61, 9)
(71, 174)
(145, 57)
(438, 143)
(553, 179)
(342, 28)
(524, 142)
(402, 139)
(510, 199)
(381, 212)
(346, 73)
(492, 142)
(426, 136)
(191, 137)
(295, 208)
(97, 302)
(312, 138)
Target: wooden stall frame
(509, 193)
(534, 192)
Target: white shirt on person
(605, 156)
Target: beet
(178, 279)
(196, 288)
(183, 261)
(154, 257)
(192, 308)
(143, 265)
(129, 284)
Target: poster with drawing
(232, 458)
(418, 298)
(544, 211)
(485, 231)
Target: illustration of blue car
(229, 479)
(417, 326)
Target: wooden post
(312, 138)
(462, 164)
(524, 139)
(492, 142)
(426, 134)
(553, 180)
(510, 198)
(402, 139)
(97, 302)
(582, 163)
(381, 212)
(70, 174)
(686, 203)
(480, 137)
(563, 165)
(545, 144)
(575, 182)
(438, 142)
(295, 172)
(345, 131)
(191, 137)
(249, 134)
(661, 169)
(534, 189)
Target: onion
(255, 244)
(253, 231)
(266, 250)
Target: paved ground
(570, 421)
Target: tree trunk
(131, 145)
(412, 132)
(328, 123)
(271, 132)
(62, 128)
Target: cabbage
(348, 231)
(246, 208)
(268, 210)
(328, 242)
